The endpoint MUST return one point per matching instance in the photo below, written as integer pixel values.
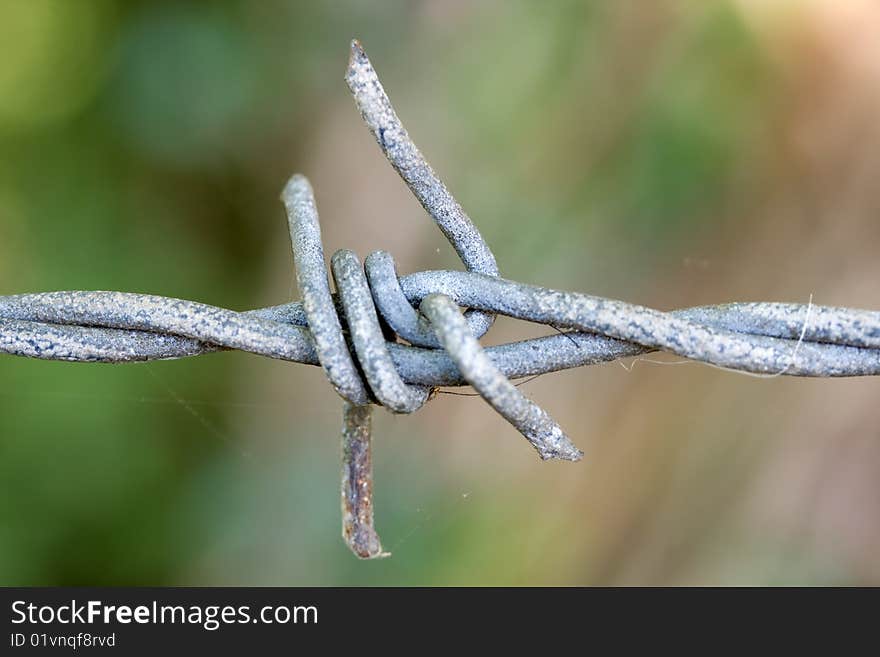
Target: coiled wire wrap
(353, 334)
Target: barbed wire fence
(389, 340)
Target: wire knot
(351, 331)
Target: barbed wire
(355, 334)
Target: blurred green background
(670, 153)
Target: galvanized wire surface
(388, 340)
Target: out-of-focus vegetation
(671, 153)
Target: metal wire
(355, 333)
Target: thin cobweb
(191, 410)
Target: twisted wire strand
(653, 329)
(353, 334)
(100, 327)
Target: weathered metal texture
(66, 326)
(367, 365)
(369, 342)
(358, 531)
(405, 157)
(530, 419)
(311, 279)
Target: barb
(357, 483)
(531, 420)
(344, 332)
(403, 155)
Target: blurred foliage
(55, 60)
(142, 148)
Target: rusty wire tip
(358, 530)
